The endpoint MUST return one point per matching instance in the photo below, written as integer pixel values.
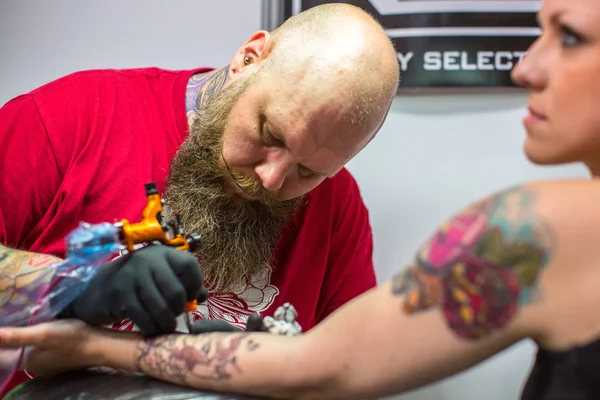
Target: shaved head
(337, 52)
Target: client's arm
(472, 290)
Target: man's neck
(201, 87)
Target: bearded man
(251, 156)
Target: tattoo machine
(154, 228)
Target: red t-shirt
(81, 148)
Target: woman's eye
(569, 38)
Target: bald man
(251, 156)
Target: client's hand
(54, 347)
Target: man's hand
(149, 286)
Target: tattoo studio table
(90, 385)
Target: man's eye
(306, 173)
(269, 139)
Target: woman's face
(562, 72)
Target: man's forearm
(231, 362)
(21, 275)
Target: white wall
(42, 40)
(434, 154)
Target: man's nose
(273, 172)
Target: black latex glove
(149, 286)
(254, 324)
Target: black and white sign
(451, 43)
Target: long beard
(238, 235)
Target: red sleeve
(29, 177)
(350, 269)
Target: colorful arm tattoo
(189, 358)
(481, 265)
(202, 86)
(23, 278)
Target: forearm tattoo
(188, 358)
(23, 279)
(481, 266)
(202, 86)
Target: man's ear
(251, 54)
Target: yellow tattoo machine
(153, 227)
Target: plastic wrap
(56, 286)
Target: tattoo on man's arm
(481, 266)
(185, 358)
(23, 279)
